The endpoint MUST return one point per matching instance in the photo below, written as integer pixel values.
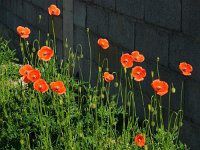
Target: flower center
(40, 86)
(57, 88)
(138, 73)
(184, 69)
(159, 87)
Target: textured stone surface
(191, 15)
(192, 102)
(152, 42)
(166, 13)
(134, 8)
(121, 31)
(99, 25)
(190, 135)
(105, 3)
(43, 3)
(79, 13)
(185, 49)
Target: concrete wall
(168, 29)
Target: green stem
(90, 75)
(142, 96)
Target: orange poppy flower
(58, 87)
(127, 60)
(160, 87)
(54, 10)
(108, 77)
(103, 43)
(138, 73)
(185, 68)
(140, 140)
(23, 31)
(41, 85)
(25, 79)
(137, 57)
(25, 69)
(33, 75)
(45, 53)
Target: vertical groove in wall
(168, 50)
(134, 25)
(86, 11)
(68, 22)
(181, 1)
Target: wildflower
(23, 32)
(140, 140)
(103, 43)
(185, 68)
(25, 69)
(45, 53)
(41, 85)
(127, 60)
(58, 87)
(34, 75)
(160, 87)
(138, 73)
(54, 10)
(137, 57)
(108, 77)
(25, 79)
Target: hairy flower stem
(54, 34)
(125, 101)
(142, 96)
(90, 75)
(157, 62)
(169, 104)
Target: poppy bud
(145, 147)
(158, 59)
(61, 102)
(81, 56)
(93, 105)
(22, 142)
(102, 96)
(149, 107)
(88, 29)
(152, 74)
(47, 42)
(107, 69)
(39, 17)
(152, 123)
(33, 49)
(116, 84)
(173, 90)
(100, 69)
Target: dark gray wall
(168, 29)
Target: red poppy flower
(103, 43)
(25, 79)
(34, 75)
(137, 57)
(185, 68)
(25, 69)
(108, 77)
(127, 60)
(23, 31)
(138, 73)
(140, 140)
(160, 87)
(54, 10)
(58, 87)
(45, 53)
(41, 85)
